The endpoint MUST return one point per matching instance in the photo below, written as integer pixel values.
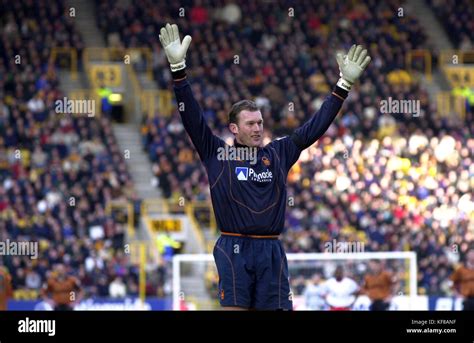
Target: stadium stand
(394, 181)
(456, 17)
(388, 180)
(58, 171)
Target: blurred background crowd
(393, 181)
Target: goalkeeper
(249, 199)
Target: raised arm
(204, 140)
(351, 67)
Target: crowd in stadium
(58, 171)
(393, 181)
(456, 17)
(398, 181)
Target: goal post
(195, 275)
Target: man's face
(249, 130)
(60, 271)
(374, 267)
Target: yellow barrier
(116, 54)
(161, 206)
(105, 74)
(26, 294)
(136, 252)
(156, 205)
(142, 253)
(65, 51)
(460, 76)
(426, 55)
(195, 226)
(149, 103)
(458, 67)
(208, 206)
(128, 206)
(448, 104)
(134, 79)
(455, 57)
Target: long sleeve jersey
(251, 198)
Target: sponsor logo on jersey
(245, 174)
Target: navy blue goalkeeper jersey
(251, 199)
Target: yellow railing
(115, 54)
(161, 206)
(206, 205)
(141, 253)
(458, 67)
(125, 56)
(153, 101)
(448, 104)
(55, 52)
(445, 58)
(134, 80)
(455, 57)
(154, 206)
(26, 294)
(195, 226)
(128, 207)
(423, 53)
(459, 75)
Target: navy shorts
(253, 273)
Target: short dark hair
(242, 105)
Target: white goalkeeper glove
(175, 50)
(351, 66)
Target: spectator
(117, 289)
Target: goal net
(195, 278)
